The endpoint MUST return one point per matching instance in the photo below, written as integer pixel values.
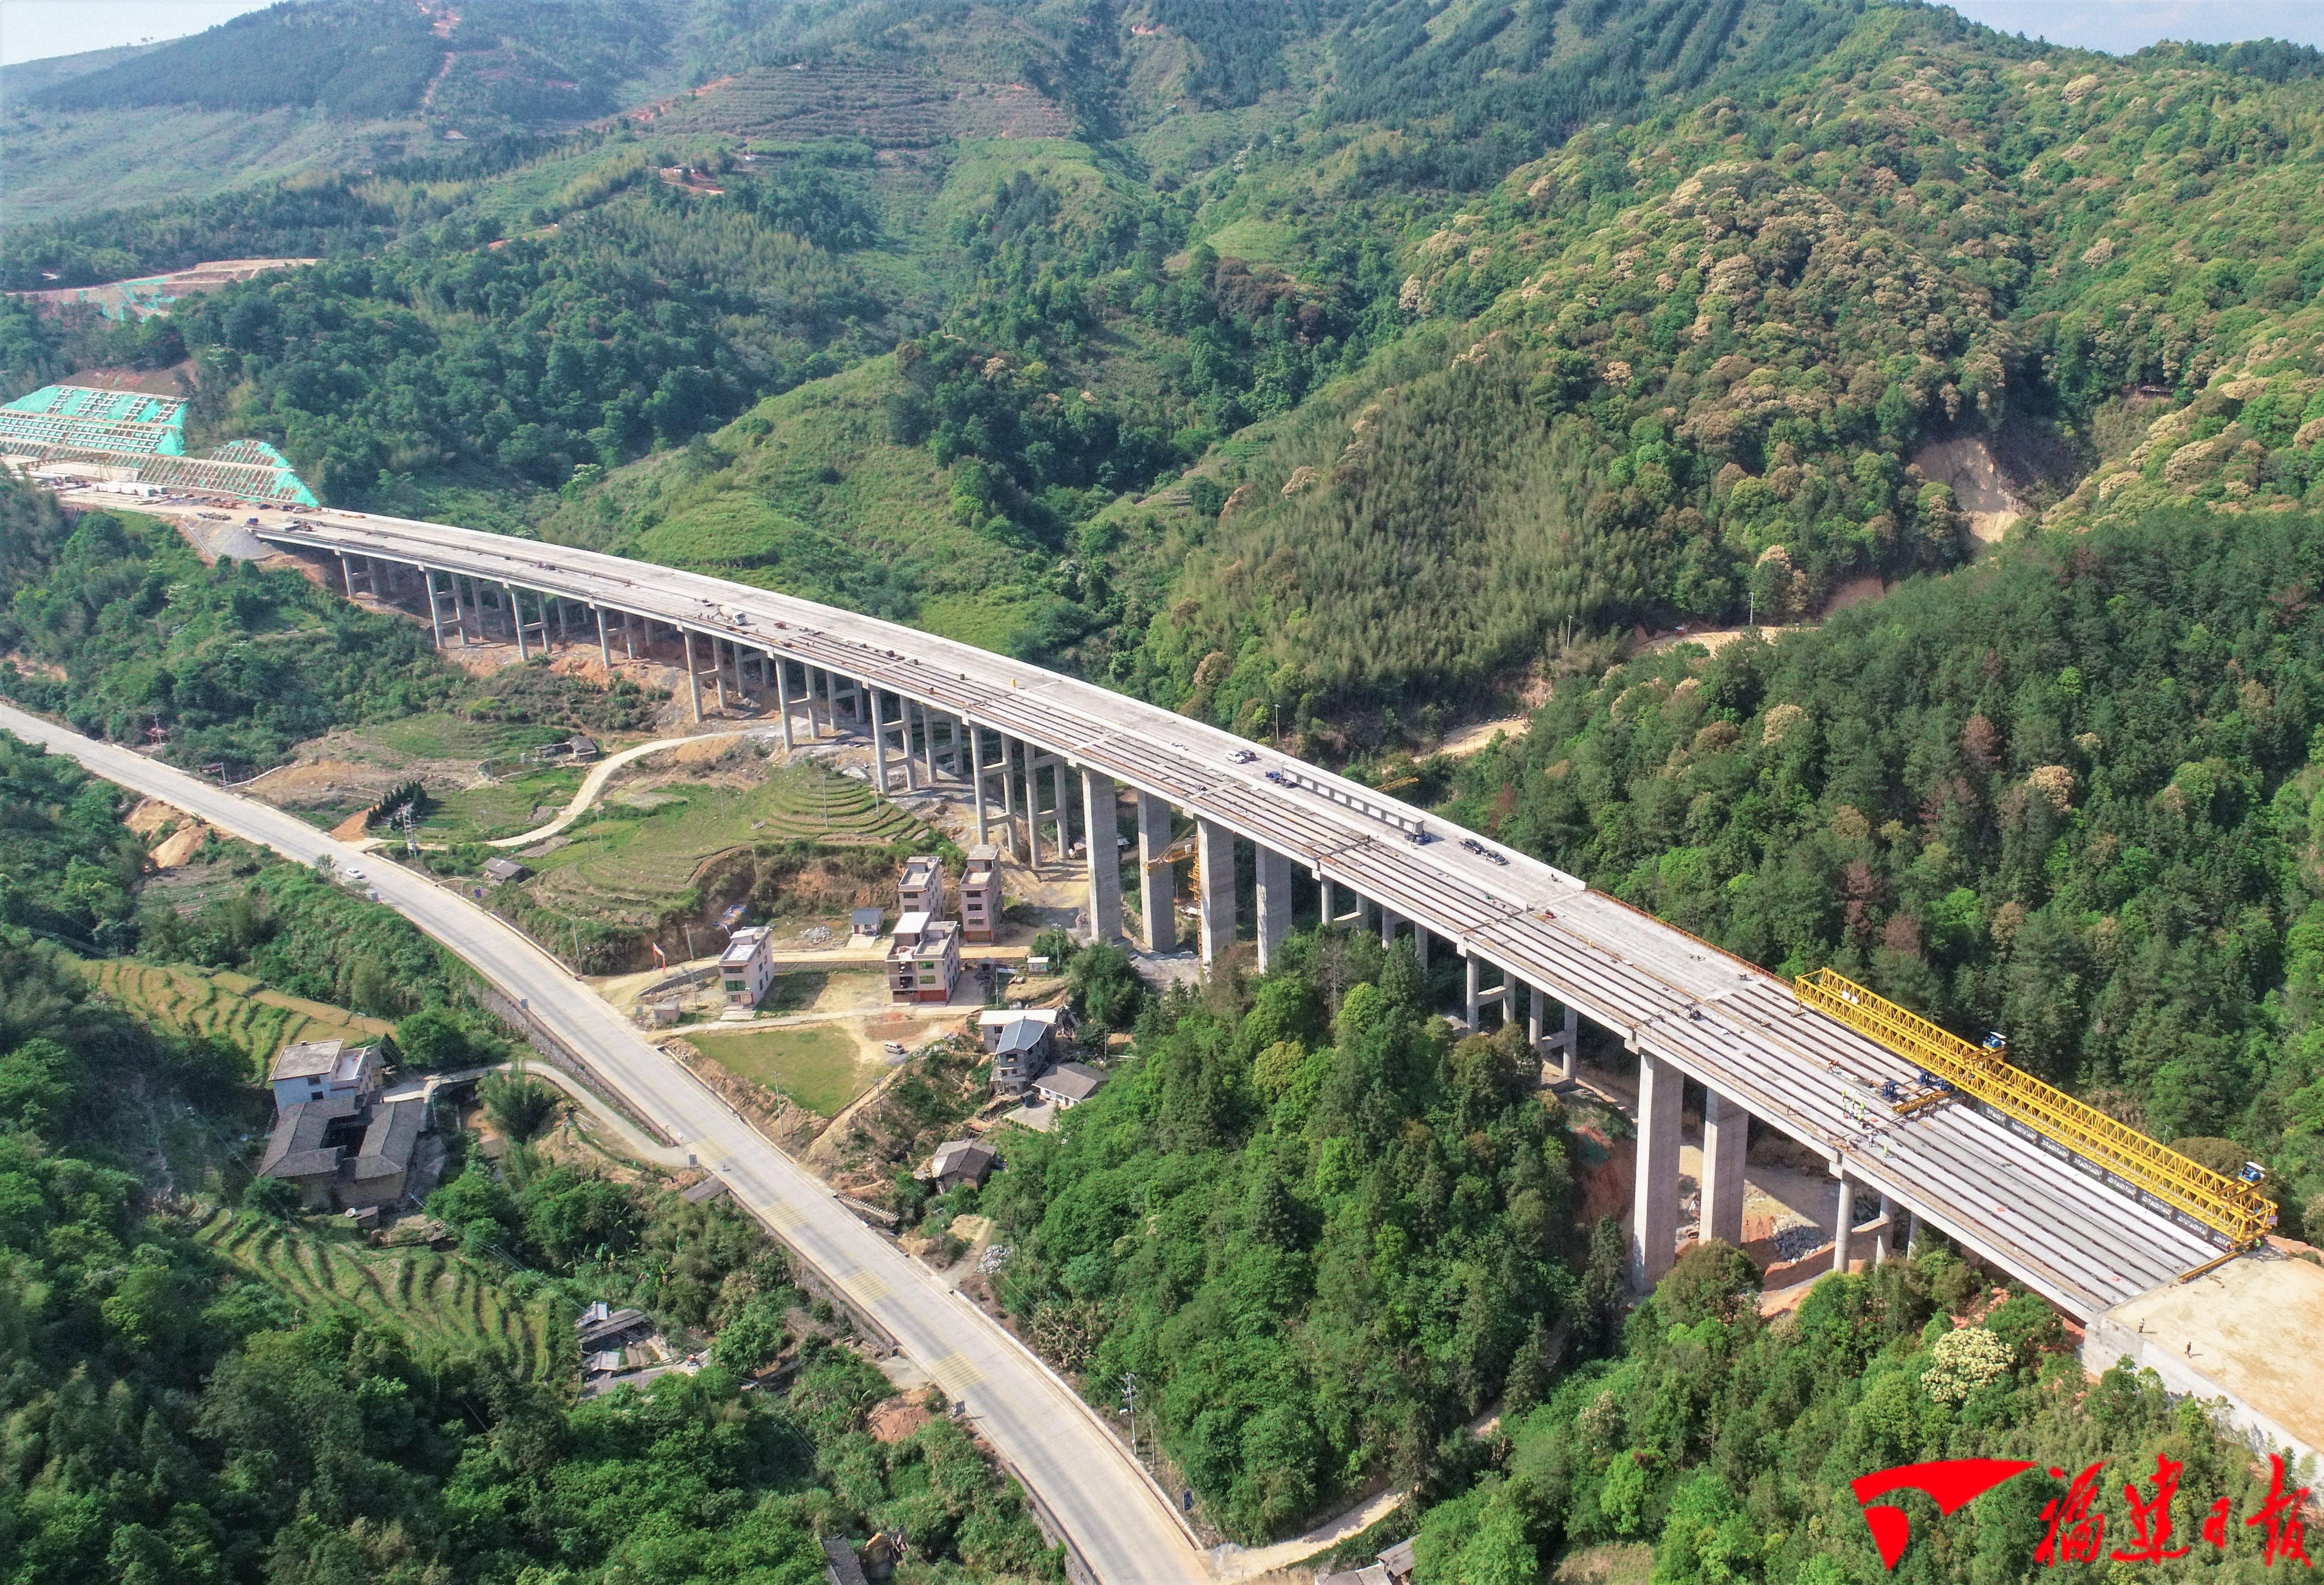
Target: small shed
(504, 871)
(864, 924)
(840, 1565)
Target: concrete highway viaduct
(1027, 744)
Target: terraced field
(447, 1300)
(642, 854)
(182, 999)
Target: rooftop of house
(599, 1325)
(745, 944)
(390, 1139)
(840, 1565)
(1072, 1081)
(1009, 1014)
(921, 870)
(1022, 1035)
(917, 935)
(961, 1157)
(335, 1060)
(295, 1149)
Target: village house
(923, 960)
(979, 894)
(961, 1161)
(747, 967)
(921, 889)
(1068, 1084)
(326, 1070)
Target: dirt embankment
(1987, 499)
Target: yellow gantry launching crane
(2234, 1208)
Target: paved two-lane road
(1116, 1517)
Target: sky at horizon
(36, 30)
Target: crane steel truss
(2236, 1209)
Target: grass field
(815, 1065)
(635, 864)
(456, 737)
(500, 809)
(444, 1299)
(199, 1004)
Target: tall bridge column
(1101, 819)
(1883, 1232)
(1387, 927)
(1214, 863)
(1725, 1134)
(516, 620)
(1033, 807)
(878, 742)
(435, 610)
(976, 778)
(605, 644)
(782, 670)
(693, 677)
(1157, 882)
(904, 743)
(1274, 904)
(1843, 1227)
(1653, 1213)
(718, 673)
(1469, 962)
(1009, 791)
(1420, 943)
(929, 747)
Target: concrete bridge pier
(1843, 1222)
(1102, 819)
(1726, 1136)
(1214, 863)
(1008, 792)
(782, 671)
(1274, 904)
(436, 610)
(878, 742)
(1158, 883)
(1653, 1216)
(693, 677)
(605, 644)
(1387, 927)
(976, 779)
(516, 620)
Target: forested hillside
(1319, 1233)
(2073, 795)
